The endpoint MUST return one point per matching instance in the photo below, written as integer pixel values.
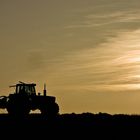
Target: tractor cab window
(20, 89)
(33, 90)
(28, 89)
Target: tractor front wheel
(50, 111)
(19, 109)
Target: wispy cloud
(101, 19)
(114, 65)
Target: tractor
(25, 99)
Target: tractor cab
(24, 88)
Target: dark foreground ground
(72, 126)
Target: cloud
(101, 19)
(112, 66)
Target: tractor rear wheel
(50, 110)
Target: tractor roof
(21, 83)
(32, 84)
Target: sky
(86, 51)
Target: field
(88, 125)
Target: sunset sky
(86, 51)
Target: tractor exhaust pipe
(45, 91)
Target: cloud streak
(97, 20)
(114, 65)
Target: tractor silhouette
(25, 99)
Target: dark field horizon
(84, 125)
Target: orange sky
(87, 52)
